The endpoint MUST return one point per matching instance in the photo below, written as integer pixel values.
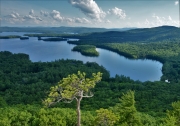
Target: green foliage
(126, 110)
(88, 118)
(144, 50)
(22, 81)
(2, 102)
(123, 114)
(105, 117)
(51, 117)
(73, 87)
(87, 50)
(13, 117)
(147, 120)
(35, 116)
(173, 116)
(170, 121)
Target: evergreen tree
(73, 87)
(126, 110)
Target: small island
(52, 39)
(10, 37)
(87, 50)
(24, 38)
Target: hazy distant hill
(135, 35)
(69, 30)
(104, 35)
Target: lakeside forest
(121, 100)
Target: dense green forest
(24, 84)
(123, 113)
(87, 50)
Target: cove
(140, 69)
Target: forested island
(10, 37)
(116, 100)
(87, 50)
(24, 38)
(52, 39)
(13, 36)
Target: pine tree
(73, 87)
(126, 110)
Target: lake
(141, 69)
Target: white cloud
(31, 12)
(107, 21)
(176, 3)
(78, 20)
(147, 22)
(16, 18)
(170, 18)
(44, 13)
(28, 17)
(129, 24)
(16, 14)
(38, 18)
(89, 8)
(83, 20)
(118, 12)
(138, 24)
(86, 21)
(69, 20)
(160, 21)
(13, 18)
(35, 19)
(13, 15)
(56, 15)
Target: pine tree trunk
(78, 112)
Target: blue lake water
(143, 70)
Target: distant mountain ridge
(60, 30)
(136, 35)
(115, 35)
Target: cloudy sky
(89, 13)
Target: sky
(89, 13)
